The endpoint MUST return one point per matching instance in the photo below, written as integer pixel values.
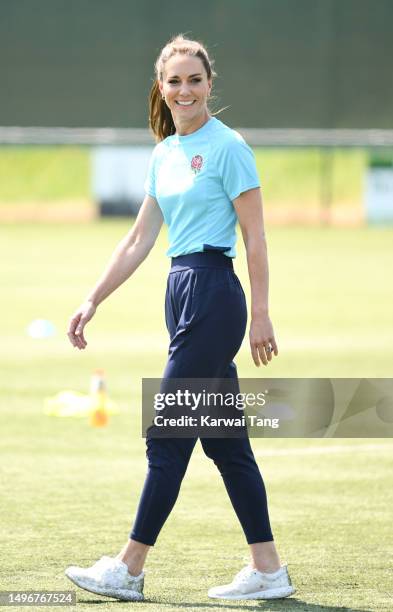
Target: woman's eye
(196, 80)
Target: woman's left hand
(261, 339)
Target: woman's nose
(184, 89)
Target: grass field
(69, 492)
(58, 179)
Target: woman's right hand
(77, 324)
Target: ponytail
(160, 117)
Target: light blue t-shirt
(194, 179)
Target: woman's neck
(186, 128)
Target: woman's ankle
(133, 554)
(264, 557)
(266, 568)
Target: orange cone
(98, 416)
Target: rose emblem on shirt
(196, 163)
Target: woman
(202, 179)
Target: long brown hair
(160, 117)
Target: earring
(163, 97)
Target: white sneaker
(110, 577)
(249, 583)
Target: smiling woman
(185, 92)
(201, 180)
(184, 79)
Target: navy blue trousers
(206, 316)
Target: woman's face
(184, 80)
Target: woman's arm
(128, 255)
(248, 207)
(130, 252)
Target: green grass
(293, 177)
(69, 492)
(44, 174)
(51, 174)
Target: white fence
(256, 137)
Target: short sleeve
(150, 181)
(237, 167)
